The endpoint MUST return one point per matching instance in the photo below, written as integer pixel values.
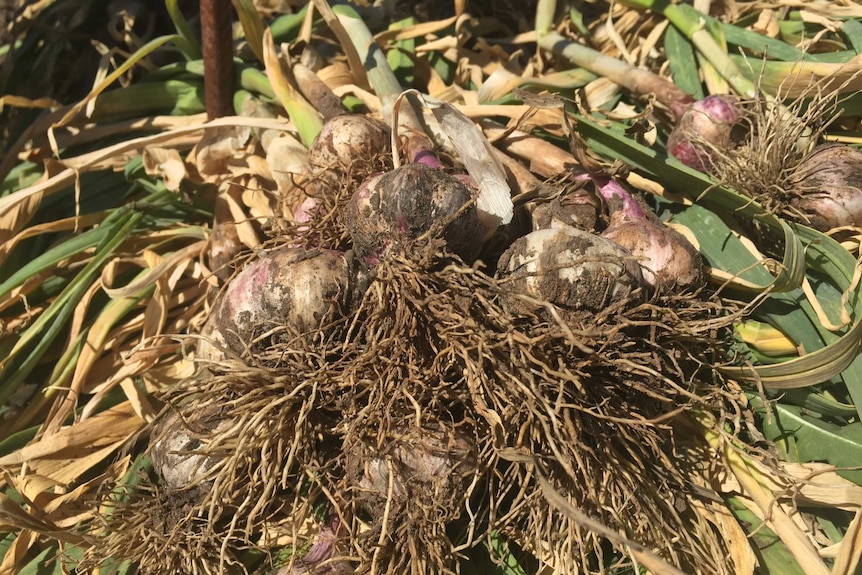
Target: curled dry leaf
(212, 153)
(71, 452)
(494, 202)
(287, 159)
(166, 165)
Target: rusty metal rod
(217, 43)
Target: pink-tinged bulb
(827, 187)
(668, 261)
(288, 293)
(708, 125)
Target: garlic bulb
(572, 269)
(427, 463)
(668, 260)
(344, 140)
(577, 209)
(288, 293)
(390, 211)
(708, 125)
(826, 187)
(178, 448)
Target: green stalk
(252, 25)
(52, 257)
(632, 78)
(285, 28)
(47, 327)
(693, 26)
(255, 81)
(368, 54)
(186, 41)
(109, 80)
(306, 119)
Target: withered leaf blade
(495, 197)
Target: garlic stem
(693, 26)
(613, 193)
(632, 78)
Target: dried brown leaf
(17, 552)
(336, 75)
(215, 149)
(165, 164)
(16, 219)
(851, 548)
(139, 400)
(415, 31)
(247, 233)
(808, 484)
(92, 161)
(767, 24)
(67, 454)
(15, 516)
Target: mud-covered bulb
(288, 293)
(572, 269)
(180, 450)
(431, 464)
(389, 211)
(349, 147)
(578, 209)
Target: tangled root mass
(436, 414)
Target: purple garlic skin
(668, 261)
(390, 211)
(292, 291)
(707, 125)
(572, 269)
(826, 187)
(318, 560)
